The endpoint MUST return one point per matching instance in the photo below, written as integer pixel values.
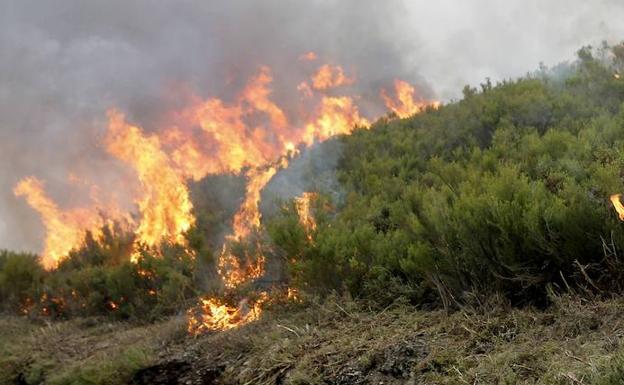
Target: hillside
(339, 342)
(474, 242)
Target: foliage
(502, 193)
(505, 191)
(100, 279)
(20, 279)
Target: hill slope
(340, 342)
(450, 229)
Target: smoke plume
(65, 62)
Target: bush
(20, 279)
(506, 191)
(100, 280)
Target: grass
(339, 341)
(80, 351)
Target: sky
(63, 63)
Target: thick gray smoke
(64, 62)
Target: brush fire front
(249, 135)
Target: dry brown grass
(339, 341)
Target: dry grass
(79, 351)
(339, 341)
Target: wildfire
(164, 203)
(308, 56)
(249, 134)
(303, 205)
(335, 116)
(617, 204)
(245, 221)
(329, 76)
(405, 105)
(65, 230)
(214, 314)
(292, 294)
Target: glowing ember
(617, 204)
(292, 294)
(405, 105)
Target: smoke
(64, 62)
(313, 170)
(467, 41)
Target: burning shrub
(506, 191)
(99, 279)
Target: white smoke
(64, 62)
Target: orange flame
(617, 204)
(250, 134)
(214, 314)
(227, 143)
(303, 205)
(405, 106)
(329, 76)
(65, 230)
(335, 116)
(245, 221)
(308, 56)
(164, 204)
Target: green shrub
(21, 276)
(506, 191)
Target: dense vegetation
(97, 281)
(503, 193)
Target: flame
(230, 145)
(164, 203)
(308, 56)
(335, 116)
(246, 220)
(617, 204)
(257, 95)
(329, 76)
(293, 295)
(65, 230)
(225, 143)
(214, 314)
(249, 134)
(305, 89)
(405, 106)
(303, 205)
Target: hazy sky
(63, 63)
